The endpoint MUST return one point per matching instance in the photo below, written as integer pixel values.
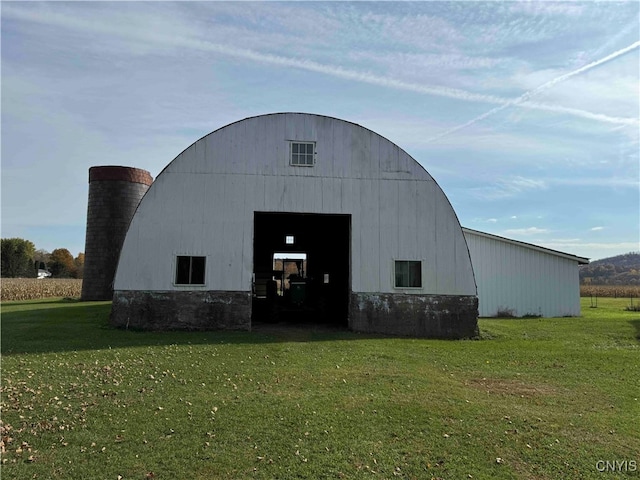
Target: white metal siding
(524, 280)
(203, 203)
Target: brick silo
(114, 195)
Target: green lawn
(535, 398)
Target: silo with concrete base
(114, 195)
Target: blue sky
(526, 113)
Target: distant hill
(618, 270)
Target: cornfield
(615, 291)
(34, 288)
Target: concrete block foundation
(178, 310)
(432, 316)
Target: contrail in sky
(163, 39)
(522, 99)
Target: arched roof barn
(375, 244)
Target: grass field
(533, 399)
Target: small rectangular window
(190, 270)
(303, 154)
(408, 274)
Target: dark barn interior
(301, 265)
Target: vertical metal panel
(445, 224)
(330, 192)
(361, 160)
(426, 231)
(342, 139)
(199, 154)
(240, 160)
(326, 152)
(388, 232)
(407, 232)
(374, 156)
(388, 157)
(369, 238)
(351, 203)
(526, 281)
(350, 195)
(232, 231)
(464, 278)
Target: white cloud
(162, 40)
(513, 217)
(492, 220)
(612, 182)
(435, 32)
(593, 250)
(571, 9)
(425, 65)
(597, 229)
(624, 246)
(564, 240)
(526, 231)
(177, 40)
(509, 187)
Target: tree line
(21, 259)
(618, 270)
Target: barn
(521, 279)
(296, 217)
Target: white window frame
(291, 154)
(175, 270)
(420, 261)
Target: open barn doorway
(301, 268)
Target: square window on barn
(302, 154)
(408, 274)
(190, 270)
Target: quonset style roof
(204, 200)
(568, 256)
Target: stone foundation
(181, 310)
(433, 316)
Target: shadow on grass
(61, 325)
(37, 303)
(636, 325)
